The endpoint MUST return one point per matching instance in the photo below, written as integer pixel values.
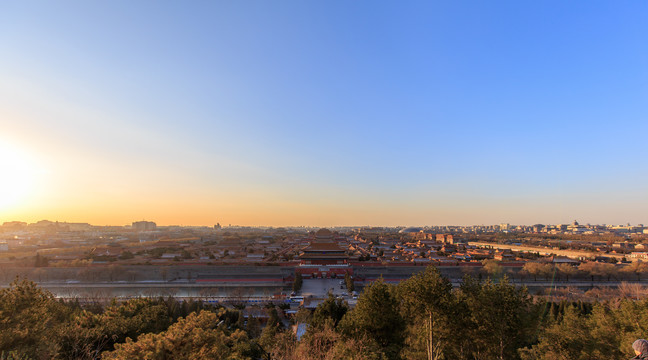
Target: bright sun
(17, 176)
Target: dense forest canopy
(421, 318)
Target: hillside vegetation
(421, 318)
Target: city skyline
(17, 224)
(324, 114)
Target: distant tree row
(591, 271)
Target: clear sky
(324, 112)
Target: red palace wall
(315, 272)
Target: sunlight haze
(324, 113)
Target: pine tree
(376, 317)
(426, 302)
(331, 311)
(298, 282)
(349, 282)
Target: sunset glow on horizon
(323, 113)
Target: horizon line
(313, 226)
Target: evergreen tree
(194, 337)
(89, 334)
(29, 318)
(426, 303)
(331, 310)
(503, 318)
(253, 326)
(376, 317)
(568, 339)
(349, 282)
(298, 282)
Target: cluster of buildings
(555, 229)
(313, 252)
(264, 262)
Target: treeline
(421, 318)
(590, 271)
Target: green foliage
(567, 339)
(194, 337)
(253, 327)
(331, 311)
(426, 302)
(348, 281)
(376, 317)
(421, 318)
(273, 317)
(303, 316)
(606, 332)
(270, 332)
(89, 334)
(298, 282)
(501, 318)
(12, 355)
(29, 316)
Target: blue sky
(329, 113)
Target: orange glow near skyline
(434, 113)
(61, 184)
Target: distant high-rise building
(144, 226)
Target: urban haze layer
(255, 264)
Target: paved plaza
(318, 288)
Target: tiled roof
(323, 256)
(323, 247)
